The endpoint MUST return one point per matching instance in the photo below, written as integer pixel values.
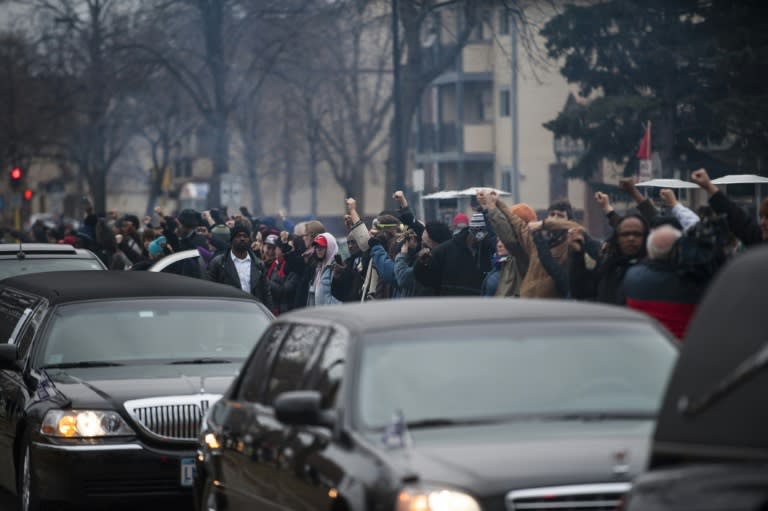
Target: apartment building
(481, 122)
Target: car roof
(43, 250)
(728, 328)
(414, 312)
(73, 286)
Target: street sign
(230, 191)
(418, 180)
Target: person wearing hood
(325, 250)
(239, 267)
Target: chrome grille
(582, 497)
(174, 418)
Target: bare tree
(216, 52)
(92, 37)
(342, 93)
(165, 123)
(419, 68)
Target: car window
(295, 352)
(330, 368)
(153, 331)
(255, 371)
(15, 308)
(12, 267)
(477, 372)
(33, 325)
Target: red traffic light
(27, 194)
(16, 174)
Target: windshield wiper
(598, 416)
(568, 416)
(438, 422)
(87, 363)
(202, 360)
(743, 373)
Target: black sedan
(105, 377)
(438, 404)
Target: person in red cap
(460, 221)
(320, 286)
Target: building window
(504, 22)
(506, 179)
(504, 108)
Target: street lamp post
(397, 152)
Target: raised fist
(700, 177)
(668, 196)
(603, 200)
(351, 204)
(576, 239)
(627, 184)
(482, 198)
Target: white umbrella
(444, 194)
(737, 179)
(472, 191)
(668, 183)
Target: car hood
(497, 458)
(111, 386)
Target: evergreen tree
(688, 66)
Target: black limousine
(438, 404)
(105, 377)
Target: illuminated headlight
(435, 499)
(84, 424)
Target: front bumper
(118, 474)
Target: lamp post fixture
(397, 152)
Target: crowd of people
(658, 263)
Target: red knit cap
(460, 220)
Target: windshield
(171, 330)
(13, 267)
(512, 370)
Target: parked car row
(118, 387)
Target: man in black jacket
(239, 267)
(458, 266)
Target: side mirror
(9, 356)
(302, 408)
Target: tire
(27, 485)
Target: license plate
(187, 471)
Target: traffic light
(16, 175)
(28, 194)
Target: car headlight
(435, 499)
(84, 424)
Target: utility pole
(397, 153)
